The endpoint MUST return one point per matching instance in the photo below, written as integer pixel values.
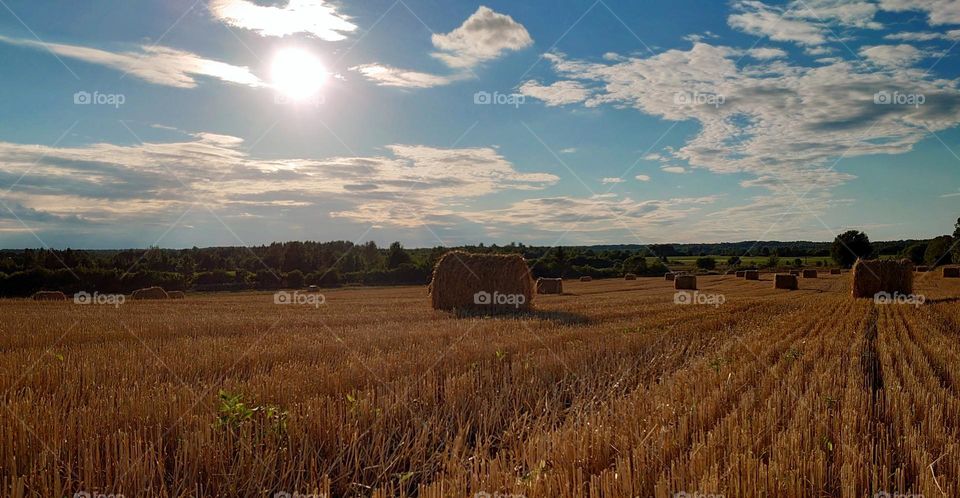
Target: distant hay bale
(923, 269)
(809, 273)
(669, 276)
(176, 295)
(752, 275)
(874, 276)
(951, 272)
(49, 296)
(150, 293)
(795, 273)
(784, 281)
(629, 276)
(685, 282)
(481, 282)
(549, 286)
(586, 279)
(836, 271)
(741, 274)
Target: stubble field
(612, 390)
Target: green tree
(956, 236)
(849, 246)
(294, 279)
(706, 263)
(397, 256)
(938, 252)
(734, 261)
(916, 253)
(636, 264)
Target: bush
(294, 279)
(706, 263)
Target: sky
(179, 123)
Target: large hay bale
(835, 271)
(629, 276)
(481, 282)
(751, 275)
(150, 293)
(586, 279)
(549, 286)
(874, 276)
(741, 274)
(685, 282)
(669, 276)
(176, 295)
(951, 272)
(784, 281)
(49, 296)
(809, 273)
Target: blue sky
(228, 122)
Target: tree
(849, 246)
(938, 252)
(798, 262)
(295, 279)
(635, 264)
(397, 256)
(916, 253)
(956, 236)
(734, 261)
(706, 263)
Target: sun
(297, 74)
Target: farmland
(611, 389)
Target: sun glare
(297, 74)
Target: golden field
(612, 390)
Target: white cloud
(569, 150)
(921, 36)
(611, 180)
(153, 64)
(484, 36)
(316, 17)
(892, 55)
(677, 170)
(557, 94)
(849, 13)
(391, 76)
(758, 19)
(939, 11)
(766, 53)
(643, 178)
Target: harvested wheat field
(611, 390)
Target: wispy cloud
(392, 76)
(153, 64)
(315, 17)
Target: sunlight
(297, 74)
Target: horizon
(232, 123)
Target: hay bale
(549, 286)
(669, 276)
(752, 275)
(685, 282)
(150, 293)
(784, 281)
(951, 272)
(923, 269)
(586, 279)
(49, 296)
(835, 271)
(481, 282)
(809, 273)
(629, 276)
(874, 276)
(176, 295)
(741, 274)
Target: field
(612, 390)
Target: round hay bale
(835, 271)
(685, 282)
(752, 275)
(741, 273)
(809, 273)
(481, 282)
(784, 281)
(549, 286)
(150, 293)
(951, 272)
(873, 276)
(669, 276)
(629, 276)
(49, 296)
(586, 279)
(176, 295)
